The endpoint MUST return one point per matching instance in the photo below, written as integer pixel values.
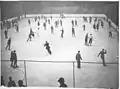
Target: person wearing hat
(102, 53)
(20, 83)
(62, 82)
(11, 82)
(78, 58)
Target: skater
(61, 22)
(44, 24)
(52, 30)
(48, 21)
(97, 27)
(90, 40)
(29, 37)
(56, 24)
(94, 26)
(20, 83)
(8, 44)
(62, 82)
(73, 31)
(11, 58)
(11, 82)
(86, 39)
(90, 19)
(62, 33)
(110, 34)
(102, 24)
(75, 22)
(38, 23)
(102, 53)
(48, 47)
(15, 59)
(109, 23)
(84, 27)
(17, 28)
(78, 58)
(6, 34)
(72, 23)
(29, 21)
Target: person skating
(29, 22)
(84, 27)
(90, 40)
(78, 58)
(97, 26)
(90, 19)
(48, 47)
(44, 25)
(52, 30)
(61, 22)
(102, 53)
(73, 31)
(62, 33)
(62, 82)
(8, 44)
(6, 34)
(75, 22)
(72, 23)
(31, 34)
(11, 58)
(86, 39)
(15, 59)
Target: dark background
(16, 8)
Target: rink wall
(47, 73)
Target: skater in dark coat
(44, 24)
(62, 82)
(8, 44)
(11, 82)
(102, 53)
(86, 39)
(29, 22)
(15, 59)
(90, 40)
(97, 26)
(61, 22)
(62, 33)
(52, 30)
(72, 23)
(75, 22)
(90, 19)
(73, 31)
(11, 58)
(48, 47)
(84, 27)
(6, 34)
(78, 58)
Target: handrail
(66, 61)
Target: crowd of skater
(97, 23)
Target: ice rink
(38, 68)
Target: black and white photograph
(61, 44)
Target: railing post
(73, 74)
(25, 72)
